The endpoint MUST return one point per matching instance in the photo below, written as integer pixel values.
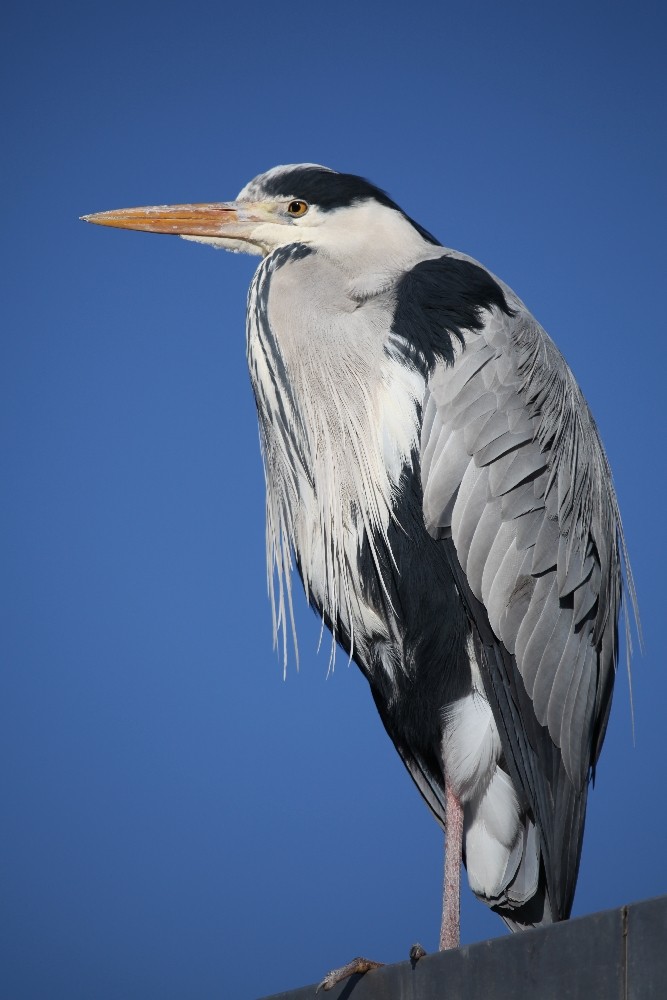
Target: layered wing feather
(517, 484)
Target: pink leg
(450, 932)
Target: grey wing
(517, 485)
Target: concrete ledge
(615, 955)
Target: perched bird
(435, 473)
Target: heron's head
(299, 203)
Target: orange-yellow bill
(220, 219)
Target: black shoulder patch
(436, 301)
(330, 190)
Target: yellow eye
(297, 208)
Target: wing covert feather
(565, 517)
(536, 546)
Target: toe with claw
(358, 966)
(417, 952)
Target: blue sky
(177, 819)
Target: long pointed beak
(219, 219)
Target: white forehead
(255, 189)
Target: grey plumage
(539, 540)
(435, 475)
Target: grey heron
(434, 472)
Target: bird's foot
(358, 966)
